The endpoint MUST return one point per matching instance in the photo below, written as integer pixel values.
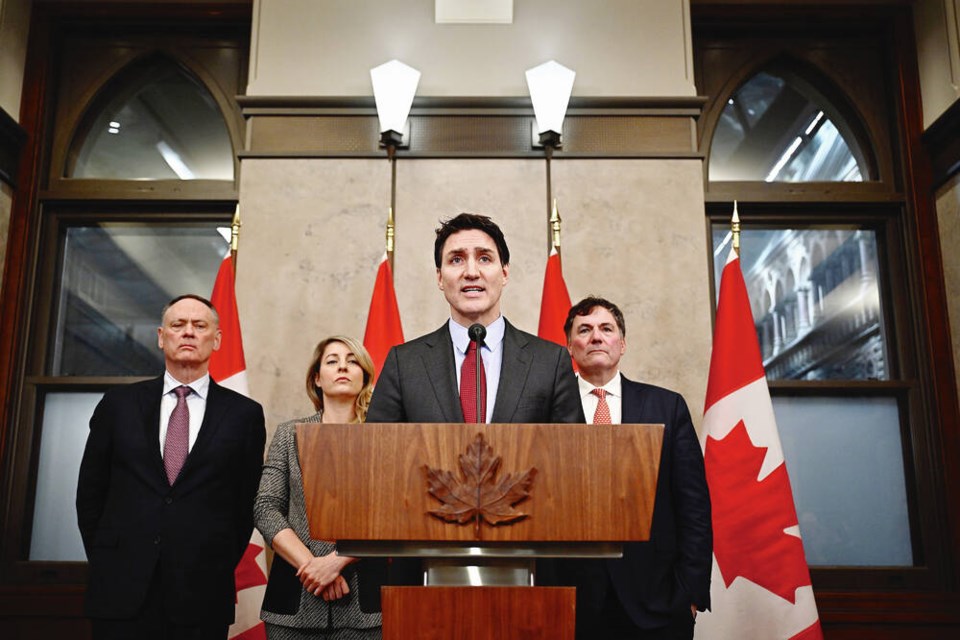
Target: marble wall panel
(634, 232)
(313, 234)
(311, 240)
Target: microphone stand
(477, 333)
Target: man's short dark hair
(190, 296)
(464, 222)
(588, 304)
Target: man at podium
(522, 378)
(656, 588)
(432, 378)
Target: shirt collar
(613, 387)
(495, 331)
(200, 386)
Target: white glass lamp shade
(550, 87)
(394, 85)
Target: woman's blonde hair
(362, 403)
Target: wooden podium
(384, 489)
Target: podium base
(479, 613)
(478, 572)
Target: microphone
(477, 333)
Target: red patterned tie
(177, 444)
(602, 415)
(468, 387)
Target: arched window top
(777, 127)
(154, 121)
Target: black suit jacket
(660, 578)
(419, 382)
(189, 537)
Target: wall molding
(319, 127)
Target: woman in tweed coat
(312, 592)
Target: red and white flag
(383, 320)
(229, 369)
(554, 303)
(761, 586)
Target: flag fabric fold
(554, 303)
(761, 586)
(384, 329)
(228, 368)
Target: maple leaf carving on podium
(750, 515)
(477, 494)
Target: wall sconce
(394, 86)
(550, 86)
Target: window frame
(887, 204)
(45, 202)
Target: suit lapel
(148, 400)
(633, 402)
(514, 368)
(440, 365)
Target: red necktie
(602, 415)
(177, 444)
(468, 387)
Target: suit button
(156, 540)
(168, 500)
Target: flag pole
(390, 237)
(735, 229)
(235, 237)
(555, 228)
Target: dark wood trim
(942, 142)
(941, 381)
(321, 127)
(12, 139)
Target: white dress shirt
(614, 398)
(196, 404)
(491, 352)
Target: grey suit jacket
(419, 382)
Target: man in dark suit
(655, 590)
(526, 379)
(166, 489)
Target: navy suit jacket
(188, 537)
(658, 579)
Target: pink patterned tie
(602, 415)
(468, 387)
(177, 444)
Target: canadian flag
(554, 303)
(229, 369)
(383, 320)
(761, 586)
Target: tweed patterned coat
(280, 505)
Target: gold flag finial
(390, 230)
(735, 229)
(235, 231)
(555, 226)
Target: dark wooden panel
(470, 127)
(478, 613)
(12, 139)
(942, 142)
